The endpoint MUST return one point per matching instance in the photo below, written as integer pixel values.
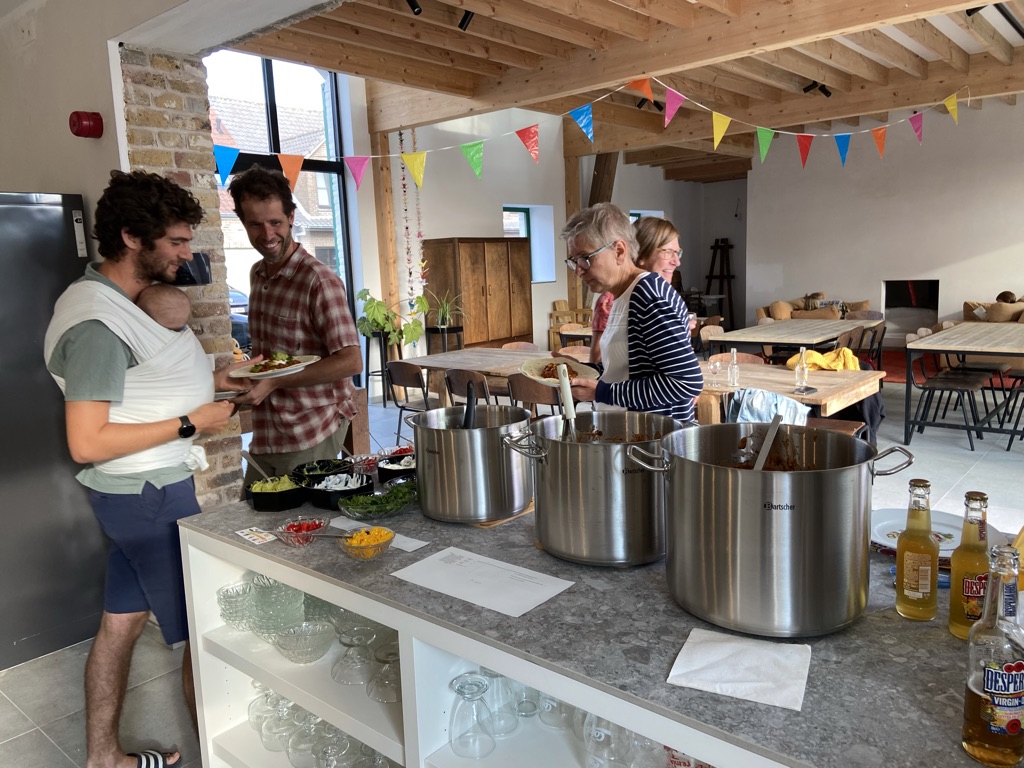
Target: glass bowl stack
(274, 606)
(305, 642)
(235, 602)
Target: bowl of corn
(367, 543)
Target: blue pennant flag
(843, 145)
(584, 117)
(225, 157)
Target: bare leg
(106, 680)
(188, 686)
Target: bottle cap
(918, 482)
(976, 496)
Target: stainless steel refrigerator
(52, 553)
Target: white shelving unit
(413, 733)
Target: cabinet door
(443, 265)
(473, 287)
(521, 288)
(499, 315)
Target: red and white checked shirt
(301, 310)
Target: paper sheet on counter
(404, 543)
(483, 581)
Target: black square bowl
(324, 499)
(276, 501)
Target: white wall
(948, 209)
(725, 216)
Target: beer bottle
(994, 698)
(917, 558)
(969, 566)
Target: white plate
(304, 360)
(886, 525)
(577, 370)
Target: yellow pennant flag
(950, 104)
(416, 162)
(721, 125)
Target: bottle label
(917, 575)
(974, 595)
(1009, 599)
(1004, 686)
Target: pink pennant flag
(803, 141)
(917, 123)
(879, 136)
(356, 166)
(291, 165)
(673, 100)
(529, 137)
(643, 85)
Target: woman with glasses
(648, 362)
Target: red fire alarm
(86, 125)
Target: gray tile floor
(42, 723)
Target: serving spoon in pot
(766, 444)
(568, 407)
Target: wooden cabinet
(492, 277)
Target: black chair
(413, 381)
(456, 381)
(959, 387)
(529, 394)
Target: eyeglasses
(583, 262)
(670, 252)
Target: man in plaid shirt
(297, 305)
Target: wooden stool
(851, 428)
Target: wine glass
(470, 732)
(355, 667)
(604, 741)
(714, 368)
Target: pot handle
(408, 420)
(522, 442)
(894, 470)
(631, 450)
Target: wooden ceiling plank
(601, 13)
(1016, 8)
(351, 35)
(762, 72)
(658, 155)
(846, 59)
(708, 95)
(881, 117)
(709, 172)
(399, 70)
(611, 114)
(701, 160)
(482, 27)
(719, 78)
(810, 68)
(427, 32)
(853, 122)
(920, 31)
(730, 8)
(521, 14)
(981, 29)
(883, 46)
(669, 11)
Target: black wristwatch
(187, 428)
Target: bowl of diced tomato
(296, 531)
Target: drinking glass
(276, 729)
(299, 746)
(554, 713)
(525, 698)
(333, 749)
(386, 685)
(501, 703)
(579, 719)
(648, 753)
(355, 667)
(604, 741)
(714, 368)
(261, 708)
(470, 732)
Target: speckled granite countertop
(883, 692)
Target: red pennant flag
(290, 166)
(879, 136)
(803, 141)
(357, 166)
(643, 85)
(530, 138)
(917, 123)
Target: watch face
(187, 428)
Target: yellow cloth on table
(841, 359)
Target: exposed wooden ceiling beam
(809, 68)
(978, 27)
(604, 112)
(846, 59)
(761, 72)
(883, 46)
(728, 7)
(920, 31)
(719, 78)
(603, 14)
(669, 11)
(705, 94)
(713, 172)
(521, 14)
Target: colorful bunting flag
(474, 154)
(879, 136)
(720, 124)
(357, 166)
(673, 100)
(803, 142)
(764, 140)
(416, 162)
(843, 145)
(291, 165)
(917, 123)
(950, 104)
(226, 158)
(584, 117)
(643, 85)
(530, 138)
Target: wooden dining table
(835, 390)
(792, 333)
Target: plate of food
(278, 364)
(545, 370)
(887, 524)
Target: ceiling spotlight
(642, 103)
(825, 91)
(464, 21)
(813, 84)
(972, 11)
(656, 104)
(414, 7)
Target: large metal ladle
(766, 444)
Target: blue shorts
(144, 558)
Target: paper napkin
(757, 670)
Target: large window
(515, 221)
(266, 108)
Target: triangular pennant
(950, 104)
(225, 157)
(416, 162)
(803, 141)
(474, 154)
(673, 100)
(720, 124)
(291, 165)
(356, 166)
(843, 145)
(643, 85)
(764, 140)
(530, 138)
(917, 123)
(584, 117)
(879, 136)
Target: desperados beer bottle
(994, 699)
(969, 566)
(917, 558)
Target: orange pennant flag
(720, 123)
(290, 167)
(643, 85)
(879, 136)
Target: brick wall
(168, 132)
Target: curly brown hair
(144, 204)
(259, 183)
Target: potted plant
(446, 308)
(378, 316)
